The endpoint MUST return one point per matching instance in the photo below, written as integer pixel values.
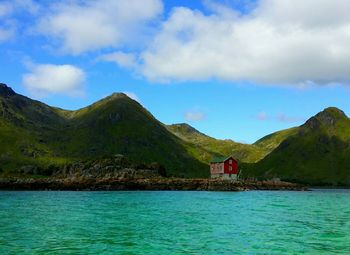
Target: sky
(233, 69)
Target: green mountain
(35, 134)
(32, 133)
(318, 153)
(207, 146)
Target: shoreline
(166, 184)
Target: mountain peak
(118, 94)
(328, 117)
(333, 111)
(6, 91)
(114, 97)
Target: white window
(230, 161)
(230, 168)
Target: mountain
(35, 134)
(32, 133)
(318, 153)
(207, 146)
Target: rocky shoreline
(113, 184)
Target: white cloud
(282, 42)
(8, 11)
(194, 116)
(125, 60)
(5, 9)
(282, 117)
(132, 95)
(90, 25)
(6, 33)
(10, 7)
(289, 119)
(262, 116)
(54, 79)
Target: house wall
(217, 168)
(233, 164)
(227, 170)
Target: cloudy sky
(237, 69)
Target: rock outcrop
(144, 184)
(117, 167)
(6, 91)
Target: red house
(224, 167)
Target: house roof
(219, 159)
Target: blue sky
(232, 69)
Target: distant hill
(318, 153)
(207, 146)
(32, 133)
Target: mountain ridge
(246, 153)
(33, 133)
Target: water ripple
(258, 222)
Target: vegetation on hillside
(318, 153)
(206, 147)
(36, 136)
(32, 133)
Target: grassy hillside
(318, 153)
(24, 124)
(206, 146)
(270, 142)
(34, 133)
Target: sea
(175, 222)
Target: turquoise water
(257, 222)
